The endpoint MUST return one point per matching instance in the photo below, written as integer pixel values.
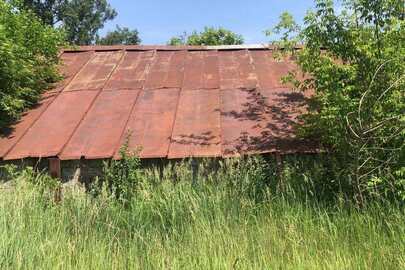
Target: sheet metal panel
(247, 74)
(100, 131)
(261, 121)
(236, 70)
(159, 70)
(55, 126)
(244, 118)
(151, 122)
(228, 70)
(175, 75)
(211, 70)
(95, 74)
(70, 65)
(194, 70)
(269, 70)
(10, 136)
(132, 71)
(201, 70)
(197, 130)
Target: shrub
(28, 60)
(354, 63)
(121, 177)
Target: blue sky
(158, 20)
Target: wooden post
(54, 167)
(279, 164)
(194, 167)
(55, 172)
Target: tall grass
(227, 220)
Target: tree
(81, 19)
(120, 36)
(287, 30)
(178, 40)
(28, 60)
(48, 11)
(210, 36)
(354, 62)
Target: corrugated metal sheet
(175, 102)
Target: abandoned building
(174, 102)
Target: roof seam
(177, 106)
(164, 81)
(148, 68)
(118, 146)
(220, 121)
(218, 89)
(40, 115)
(82, 90)
(251, 62)
(92, 103)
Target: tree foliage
(210, 36)
(121, 35)
(80, 19)
(287, 30)
(28, 58)
(354, 62)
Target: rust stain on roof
(95, 74)
(175, 102)
(132, 72)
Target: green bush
(121, 177)
(353, 60)
(28, 60)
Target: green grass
(213, 225)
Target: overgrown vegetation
(354, 62)
(29, 57)
(244, 213)
(238, 216)
(121, 177)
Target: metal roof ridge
(259, 46)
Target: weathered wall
(82, 170)
(85, 171)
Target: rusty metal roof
(174, 102)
